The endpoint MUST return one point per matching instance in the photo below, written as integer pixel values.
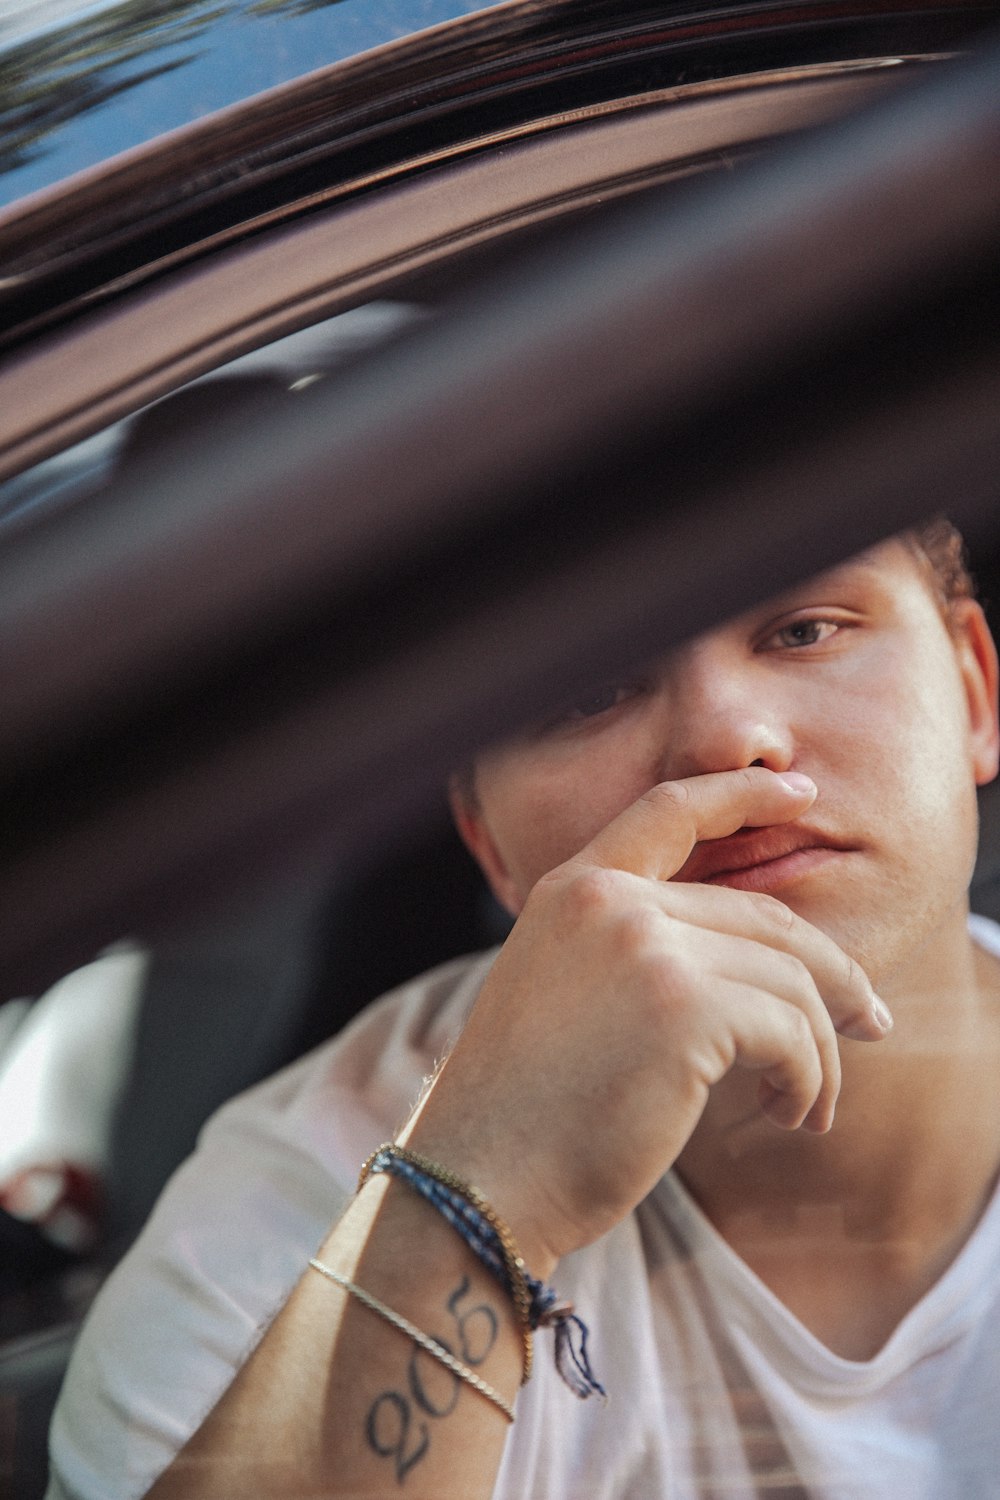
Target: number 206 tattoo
(394, 1426)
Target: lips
(774, 853)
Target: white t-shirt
(715, 1389)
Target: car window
(294, 363)
(184, 60)
(298, 519)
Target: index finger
(656, 834)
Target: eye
(594, 702)
(806, 632)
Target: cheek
(540, 815)
(938, 792)
(900, 771)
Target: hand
(621, 998)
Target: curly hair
(940, 549)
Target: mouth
(760, 859)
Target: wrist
(478, 1225)
(486, 1174)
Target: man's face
(853, 678)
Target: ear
(477, 838)
(977, 659)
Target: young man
(680, 1089)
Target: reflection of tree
(48, 80)
(295, 7)
(52, 78)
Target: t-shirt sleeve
(226, 1245)
(232, 1235)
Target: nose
(723, 712)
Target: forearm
(337, 1401)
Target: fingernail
(796, 781)
(883, 1014)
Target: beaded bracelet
(468, 1212)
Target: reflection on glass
(291, 364)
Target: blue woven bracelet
(537, 1305)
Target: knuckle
(637, 936)
(673, 974)
(857, 979)
(592, 894)
(772, 913)
(796, 973)
(800, 1029)
(668, 797)
(749, 778)
(678, 994)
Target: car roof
(119, 156)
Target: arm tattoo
(439, 1375)
(393, 1427)
(388, 1428)
(473, 1347)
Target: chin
(902, 952)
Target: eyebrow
(862, 562)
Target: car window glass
(290, 364)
